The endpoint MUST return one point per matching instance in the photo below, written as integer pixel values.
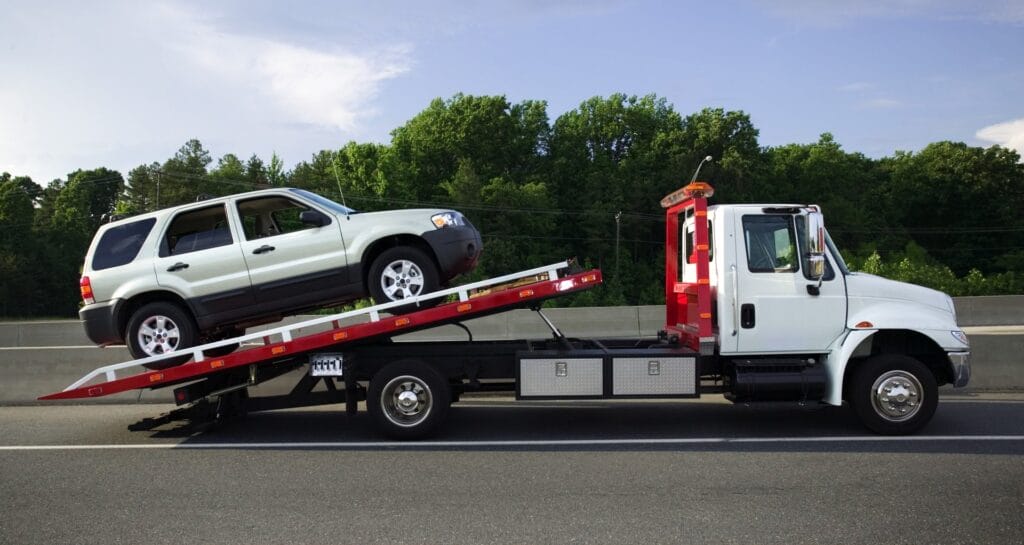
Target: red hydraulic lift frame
(379, 326)
(688, 305)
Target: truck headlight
(960, 336)
(447, 219)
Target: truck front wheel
(408, 399)
(894, 394)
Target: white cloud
(330, 88)
(857, 87)
(128, 83)
(1009, 134)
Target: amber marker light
(692, 190)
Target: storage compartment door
(561, 377)
(654, 376)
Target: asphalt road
(689, 472)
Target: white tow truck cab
(786, 319)
(759, 306)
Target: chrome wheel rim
(406, 401)
(401, 279)
(897, 396)
(158, 335)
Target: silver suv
(201, 272)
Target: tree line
(587, 185)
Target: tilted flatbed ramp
(496, 295)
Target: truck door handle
(264, 249)
(177, 267)
(747, 316)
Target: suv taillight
(86, 289)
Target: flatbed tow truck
(758, 306)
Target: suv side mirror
(313, 217)
(815, 245)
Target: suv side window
(271, 216)
(196, 230)
(771, 243)
(119, 245)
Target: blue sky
(118, 84)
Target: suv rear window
(119, 245)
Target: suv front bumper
(100, 321)
(960, 367)
(457, 249)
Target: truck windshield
(835, 254)
(325, 202)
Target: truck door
(779, 311)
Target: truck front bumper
(960, 368)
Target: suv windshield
(325, 202)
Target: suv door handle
(177, 267)
(264, 249)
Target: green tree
(730, 138)
(612, 155)
(17, 246)
(182, 178)
(849, 187)
(961, 203)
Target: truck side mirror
(816, 245)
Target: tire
(408, 399)
(894, 394)
(223, 350)
(160, 328)
(402, 272)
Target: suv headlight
(960, 336)
(447, 219)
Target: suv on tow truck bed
(173, 278)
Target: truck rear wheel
(894, 394)
(408, 399)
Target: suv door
(292, 264)
(199, 258)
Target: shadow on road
(604, 426)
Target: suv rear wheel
(160, 328)
(401, 273)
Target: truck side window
(771, 243)
(270, 216)
(196, 230)
(688, 255)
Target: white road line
(525, 443)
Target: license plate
(325, 365)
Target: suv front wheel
(160, 328)
(401, 273)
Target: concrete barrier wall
(38, 358)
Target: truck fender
(838, 358)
